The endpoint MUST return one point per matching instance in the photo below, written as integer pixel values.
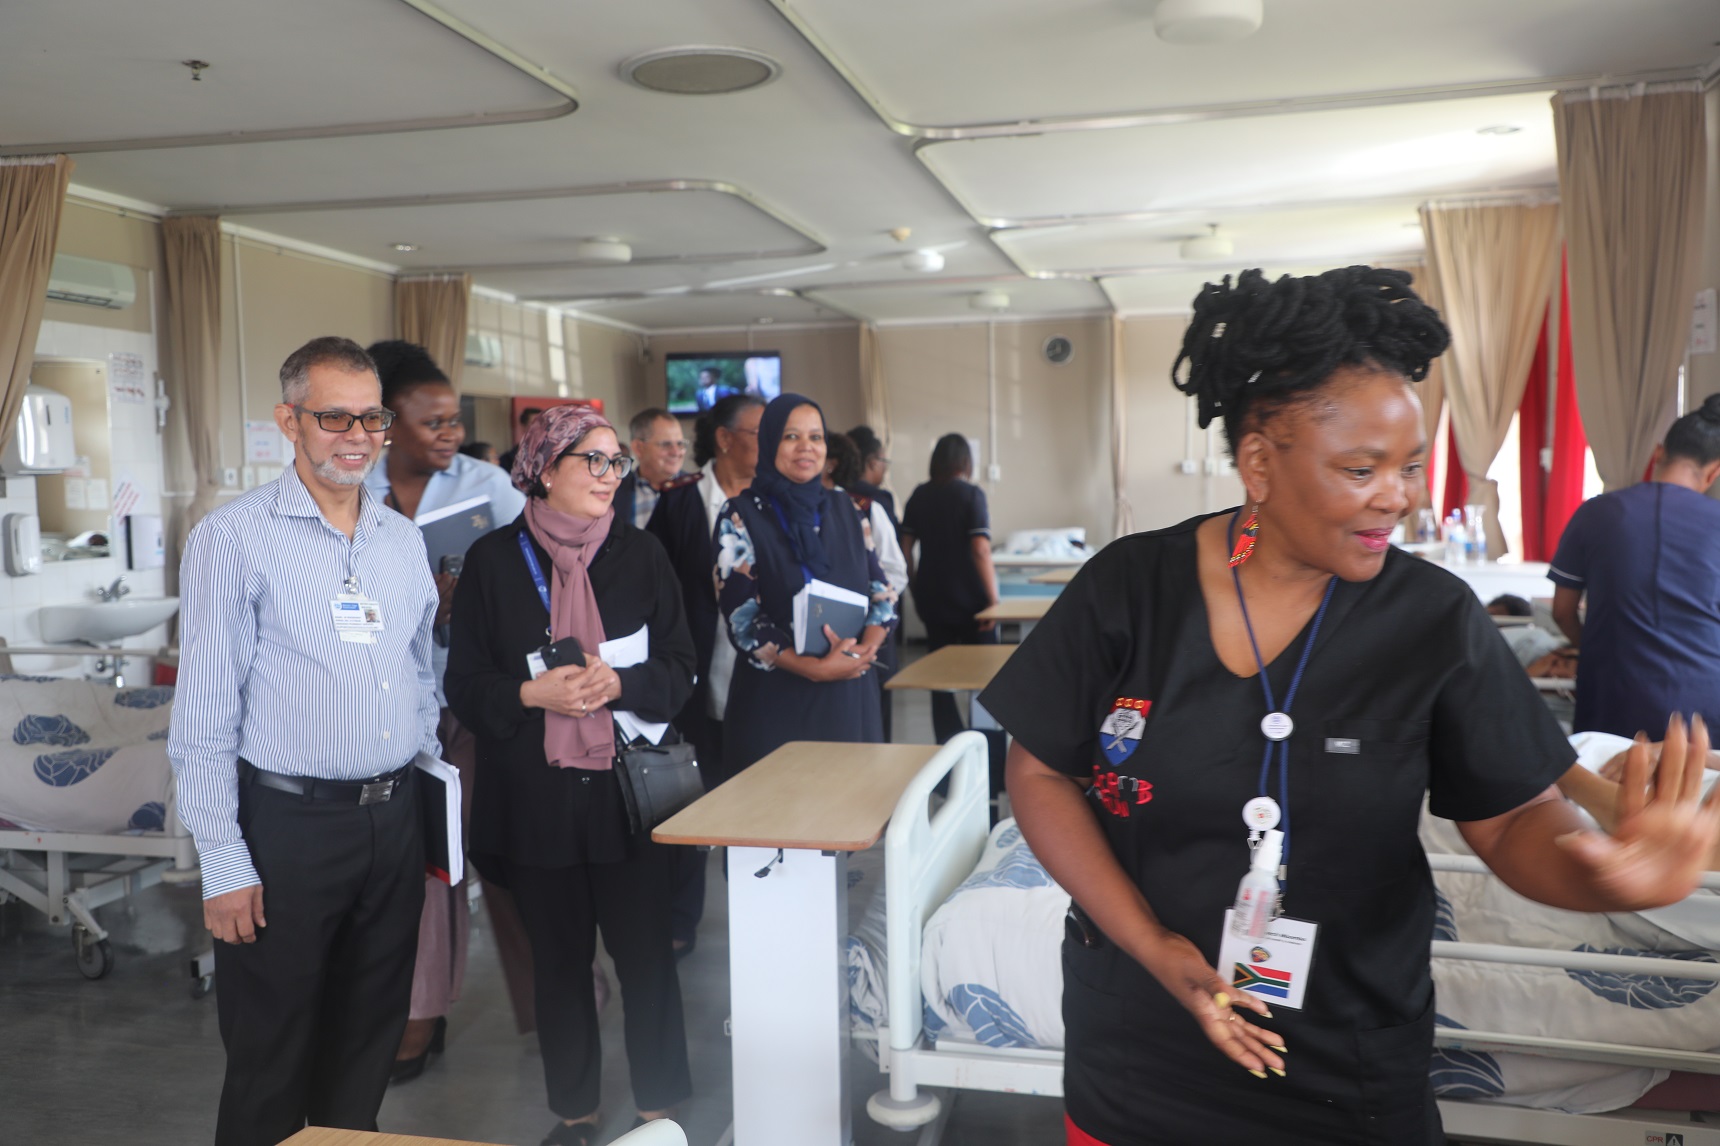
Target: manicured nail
(1258, 1073)
(1221, 1000)
(1280, 1050)
(1266, 1014)
(1277, 1072)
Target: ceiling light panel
(1412, 149)
(954, 301)
(1334, 234)
(980, 61)
(655, 225)
(257, 80)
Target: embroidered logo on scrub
(1120, 734)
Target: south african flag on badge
(1263, 981)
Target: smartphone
(452, 563)
(566, 651)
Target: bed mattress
(77, 756)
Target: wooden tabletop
(806, 794)
(954, 668)
(1016, 609)
(1055, 576)
(324, 1136)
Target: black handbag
(657, 780)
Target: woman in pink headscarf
(547, 817)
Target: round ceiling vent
(701, 70)
(1058, 350)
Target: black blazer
(681, 523)
(523, 810)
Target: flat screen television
(697, 381)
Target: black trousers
(312, 1012)
(947, 717)
(687, 876)
(563, 908)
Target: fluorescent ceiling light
(795, 272)
(924, 262)
(989, 300)
(605, 251)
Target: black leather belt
(378, 790)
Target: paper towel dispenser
(42, 442)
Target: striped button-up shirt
(263, 674)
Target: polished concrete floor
(133, 1058)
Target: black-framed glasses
(339, 421)
(599, 464)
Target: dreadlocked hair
(1259, 346)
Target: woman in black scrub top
(1139, 715)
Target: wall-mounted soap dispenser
(22, 534)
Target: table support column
(788, 996)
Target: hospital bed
(955, 975)
(88, 809)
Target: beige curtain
(1632, 177)
(874, 394)
(432, 312)
(1122, 509)
(1431, 390)
(191, 280)
(32, 193)
(1494, 266)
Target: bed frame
(67, 875)
(926, 857)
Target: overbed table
(1026, 610)
(789, 823)
(1055, 577)
(953, 668)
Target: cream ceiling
(1053, 149)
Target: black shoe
(578, 1134)
(407, 1069)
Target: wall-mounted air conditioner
(483, 350)
(92, 282)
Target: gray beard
(334, 475)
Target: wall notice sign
(263, 443)
(1703, 334)
(126, 381)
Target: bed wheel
(202, 985)
(903, 1115)
(93, 956)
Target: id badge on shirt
(1275, 968)
(357, 618)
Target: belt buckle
(376, 792)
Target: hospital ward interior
(831, 513)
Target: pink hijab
(571, 542)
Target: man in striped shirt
(305, 691)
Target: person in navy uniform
(1291, 671)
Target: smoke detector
(989, 300)
(924, 262)
(1207, 21)
(604, 251)
(1206, 248)
(701, 70)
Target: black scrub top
(1409, 690)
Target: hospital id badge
(1275, 968)
(357, 619)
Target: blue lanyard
(817, 523)
(1283, 746)
(537, 575)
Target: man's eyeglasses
(674, 447)
(599, 464)
(339, 421)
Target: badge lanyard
(1277, 726)
(537, 575)
(817, 523)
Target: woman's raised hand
(1666, 834)
(1182, 970)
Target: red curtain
(1531, 437)
(1550, 496)
(1456, 481)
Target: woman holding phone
(784, 531)
(547, 819)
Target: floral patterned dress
(757, 576)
